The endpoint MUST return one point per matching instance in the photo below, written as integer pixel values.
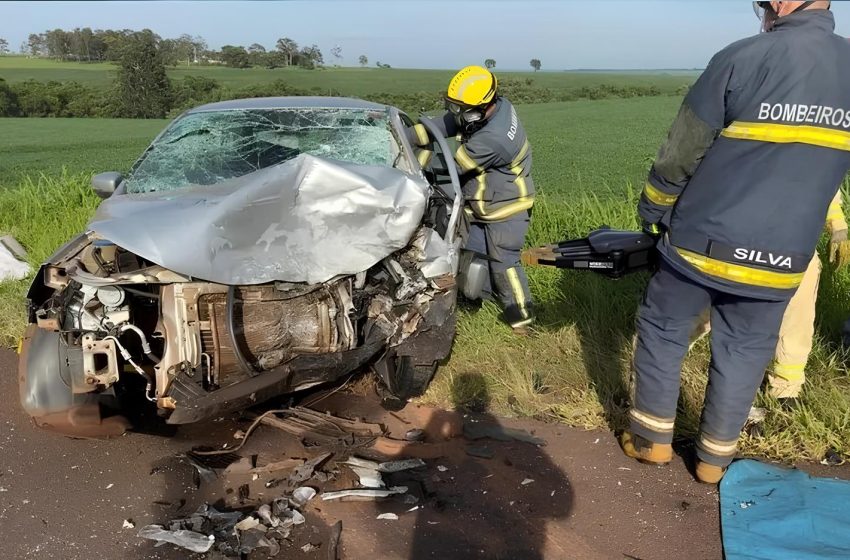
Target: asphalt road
(575, 497)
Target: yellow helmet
(473, 86)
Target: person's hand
(652, 229)
(839, 249)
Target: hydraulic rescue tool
(612, 253)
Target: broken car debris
(13, 260)
(267, 501)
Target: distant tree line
(107, 45)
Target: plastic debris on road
(190, 540)
(364, 493)
(13, 265)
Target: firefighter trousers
(502, 243)
(788, 373)
(743, 340)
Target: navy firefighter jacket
(754, 158)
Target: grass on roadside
(575, 367)
(41, 213)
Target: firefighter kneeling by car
(494, 161)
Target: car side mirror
(104, 184)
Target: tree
(58, 44)
(288, 47)
(535, 63)
(235, 57)
(142, 90)
(337, 52)
(364, 61)
(274, 59)
(8, 101)
(256, 54)
(4, 46)
(310, 57)
(35, 42)
(186, 48)
(490, 63)
(199, 48)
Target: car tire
(405, 381)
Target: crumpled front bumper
(46, 395)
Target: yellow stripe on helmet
(473, 86)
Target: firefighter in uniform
(738, 194)
(494, 160)
(787, 375)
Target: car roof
(294, 102)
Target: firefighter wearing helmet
(494, 160)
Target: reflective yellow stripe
(786, 134)
(742, 274)
(719, 448)
(521, 155)
(523, 201)
(652, 422)
(424, 157)
(466, 162)
(659, 197)
(835, 212)
(519, 292)
(507, 210)
(479, 194)
(421, 135)
(790, 372)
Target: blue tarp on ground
(772, 513)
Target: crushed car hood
(305, 220)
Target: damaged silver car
(257, 247)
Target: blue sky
(434, 34)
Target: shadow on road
(603, 313)
(478, 507)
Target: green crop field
(349, 81)
(29, 147)
(590, 160)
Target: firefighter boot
(708, 473)
(645, 451)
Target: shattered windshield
(206, 148)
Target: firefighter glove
(652, 229)
(839, 249)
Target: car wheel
(402, 379)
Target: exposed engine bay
(113, 314)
